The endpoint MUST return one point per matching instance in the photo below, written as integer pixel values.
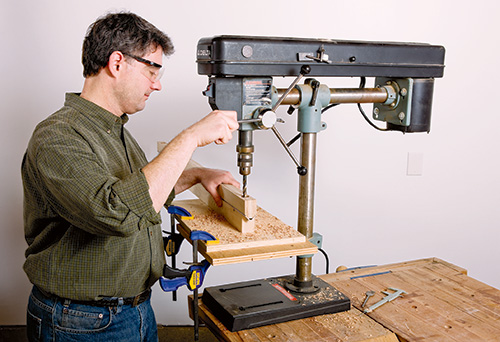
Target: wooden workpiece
(442, 304)
(271, 238)
(239, 211)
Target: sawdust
(325, 296)
(350, 324)
(267, 226)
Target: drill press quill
(241, 71)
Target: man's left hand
(212, 178)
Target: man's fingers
(216, 196)
(230, 118)
(213, 178)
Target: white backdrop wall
(367, 208)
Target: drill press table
(271, 239)
(442, 304)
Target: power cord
(361, 86)
(328, 107)
(326, 259)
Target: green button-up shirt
(89, 221)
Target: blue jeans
(60, 320)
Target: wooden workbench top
(441, 304)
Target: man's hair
(125, 32)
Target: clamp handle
(193, 277)
(180, 211)
(202, 235)
(172, 243)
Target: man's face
(140, 82)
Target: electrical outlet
(415, 166)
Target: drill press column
(309, 124)
(303, 277)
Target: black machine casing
(225, 56)
(255, 303)
(231, 59)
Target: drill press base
(255, 303)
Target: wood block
(271, 238)
(238, 210)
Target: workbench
(442, 303)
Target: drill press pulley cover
(241, 71)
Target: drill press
(241, 71)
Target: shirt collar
(103, 118)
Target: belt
(105, 302)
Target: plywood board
(271, 239)
(236, 256)
(269, 230)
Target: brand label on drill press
(257, 91)
(283, 291)
(203, 53)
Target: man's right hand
(163, 172)
(218, 126)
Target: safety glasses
(153, 71)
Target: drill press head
(248, 96)
(240, 71)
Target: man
(91, 199)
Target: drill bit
(245, 185)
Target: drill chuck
(245, 152)
(245, 159)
